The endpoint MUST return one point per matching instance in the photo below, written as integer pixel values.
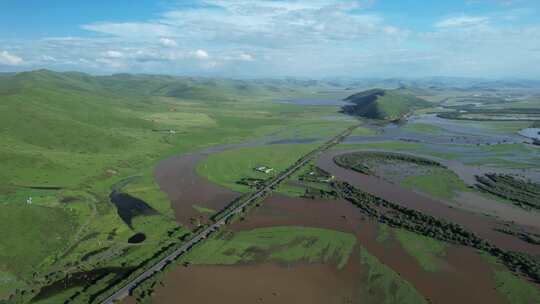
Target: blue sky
(275, 38)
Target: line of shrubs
(401, 217)
(525, 194)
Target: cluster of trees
(251, 182)
(521, 192)
(418, 222)
(464, 110)
(315, 193)
(359, 161)
(532, 238)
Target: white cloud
(462, 21)
(245, 57)
(113, 54)
(254, 22)
(265, 38)
(48, 58)
(7, 58)
(200, 54)
(168, 42)
(130, 29)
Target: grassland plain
(305, 181)
(68, 137)
(279, 244)
(442, 183)
(226, 168)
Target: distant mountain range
(191, 86)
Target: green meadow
(226, 168)
(441, 183)
(67, 138)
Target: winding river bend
(481, 225)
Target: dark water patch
(52, 188)
(129, 206)
(532, 133)
(137, 238)
(78, 279)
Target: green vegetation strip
(525, 194)
(427, 251)
(202, 209)
(281, 244)
(414, 221)
(514, 289)
(387, 284)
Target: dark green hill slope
(383, 104)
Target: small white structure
(29, 201)
(264, 169)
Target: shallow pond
(128, 206)
(532, 133)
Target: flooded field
(452, 132)
(177, 177)
(481, 225)
(267, 283)
(274, 282)
(324, 283)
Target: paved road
(124, 291)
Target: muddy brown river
(324, 283)
(270, 282)
(177, 177)
(481, 225)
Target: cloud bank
(316, 38)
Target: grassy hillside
(383, 104)
(66, 138)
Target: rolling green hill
(383, 104)
(67, 138)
